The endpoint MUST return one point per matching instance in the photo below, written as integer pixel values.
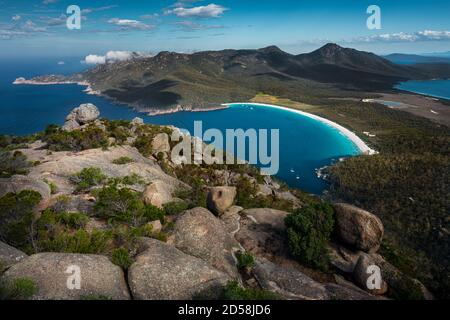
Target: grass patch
(88, 178)
(123, 160)
(234, 291)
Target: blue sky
(38, 28)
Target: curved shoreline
(357, 141)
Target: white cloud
(130, 24)
(95, 59)
(16, 17)
(210, 11)
(61, 63)
(114, 56)
(426, 35)
(49, 1)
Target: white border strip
(362, 146)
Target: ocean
(305, 144)
(435, 88)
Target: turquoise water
(305, 144)
(435, 88)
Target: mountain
(207, 79)
(400, 58)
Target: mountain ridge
(207, 79)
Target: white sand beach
(362, 146)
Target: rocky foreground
(106, 198)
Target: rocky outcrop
(58, 167)
(200, 234)
(9, 256)
(162, 272)
(262, 232)
(220, 199)
(362, 273)
(358, 228)
(51, 274)
(84, 114)
(289, 283)
(158, 193)
(160, 144)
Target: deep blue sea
(305, 144)
(435, 88)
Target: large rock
(160, 143)
(220, 199)
(9, 256)
(84, 114)
(99, 277)
(362, 273)
(358, 228)
(262, 232)
(289, 283)
(71, 125)
(158, 193)
(58, 167)
(199, 233)
(162, 272)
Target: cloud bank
(114, 56)
(210, 11)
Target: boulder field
(195, 249)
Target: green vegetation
(123, 160)
(121, 257)
(175, 207)
(17, 217)
(145, 135)
(52, 186)
(10, 143)
(244, 260)
(12, 163)
(233, 291)
(74, 220)
(17, 289)
(308, 231)
(88, 178)
(124, 205)
(89, 138)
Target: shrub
(233, 291)
(18, 289)
(16, 218)
(87, 178)
(124, 205)
(75, 220)
(12, 163)
(308, 232)
(175, 207)
(89, 138)
(79, 242)
(121, 257)
(122, 160)
(244, 260)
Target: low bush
(91, 137)
(175, 207)
(244, 260)
(18, 289)
(75, 220)
(308, 232)
(12, 163)
(78, 242)
(16, 218)
(125, 205)
(123, 160)
(88, 178)
(121, 258)
(234, 291)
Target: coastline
(357, 141)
